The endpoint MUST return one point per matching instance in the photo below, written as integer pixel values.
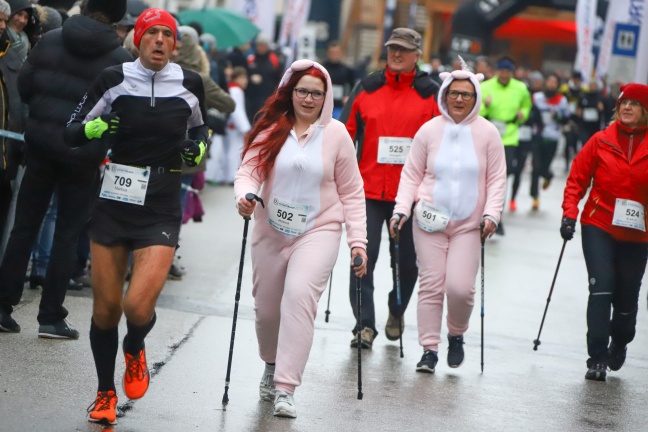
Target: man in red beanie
(143, 111)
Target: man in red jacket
(382, 115)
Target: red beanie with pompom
(153, 17)
(637, 92)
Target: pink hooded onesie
(316, 179)
(456, 175)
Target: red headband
(150, 18)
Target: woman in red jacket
(615, 242)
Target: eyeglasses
(401, 49)
(454, 94)
(632, 103)
(302, 93)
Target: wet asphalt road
(46, 385)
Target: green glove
(192, 152)
(98, 127)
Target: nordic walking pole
(481, 229)
(537, 341)
(357, 261)
(328, 304)
(398, 286)
(250, 197)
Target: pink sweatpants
(448, 263)
(289, 276)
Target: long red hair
(278, 117)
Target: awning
(562, 32)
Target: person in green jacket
(506, 103)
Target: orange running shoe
(136, 375)
(512, 206)
(536, 205)
(102, 410)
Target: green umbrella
(229, 28)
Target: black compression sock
(104, 344)
(134, 339)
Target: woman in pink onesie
(306, 163)
(455, 175)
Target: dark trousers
(525, 149)
(615, 270)
(546, 152)
(571, 146)
(511, 155)
(378, 214)
(76, 188)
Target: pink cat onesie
(316, 178)
(454, 173)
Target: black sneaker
(174, 273)
(597, 370)
(74, 285)
(58, 330)
(455, 351)
(8, 324)
(616, 356)
(36, 282)
(500, 229)
(428, 362)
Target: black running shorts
(136, 226)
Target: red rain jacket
(395, 109)
(615, 162)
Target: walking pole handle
(357, 261)
(251, 197)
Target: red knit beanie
(637, 92)
(150, 18)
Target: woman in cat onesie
(306, 163)
(454, 181)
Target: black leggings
(379, 213)
(615, 270)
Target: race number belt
(590, 114)
(525, 133)
(338, 92)
(501, 127)
(125, 183)
(629, 214)
(431, 218)
(393, 150)
(287, 217)
(547, 117)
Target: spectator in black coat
(55, 77)
(342, 77)
(265, 71)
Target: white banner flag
(585, 29)
(623, 56)
(260, 12)
(295, 17)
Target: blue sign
(626, 40)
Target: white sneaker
(284, 405)
(267, 385)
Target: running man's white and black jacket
(157, 112)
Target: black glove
(567, 228)
(192, 152)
